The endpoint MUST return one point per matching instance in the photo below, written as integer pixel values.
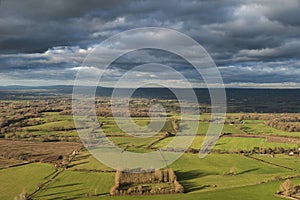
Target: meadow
(258, 127)
(203, 178)
(231, 144)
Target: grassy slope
(261, 128)
(196, 173)
(203, 127)
(73, 185)
(110, 127)
(14, 181)
(232, 143)
(85, 161)
(257, 192)
(199, 177)
(283, 160)
(237, 143)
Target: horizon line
(225, 87)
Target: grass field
(133, 144)
(198, 176)
(110, 127)
(85, 161)
(16, 180)
(231, 144)
(195, 172)
(255, 192)
(261, 128)
(283, 160)
(73, 185)
(227, 128)
(206, 178)
(67, 124)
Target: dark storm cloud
(266, 72)
(38, 25)
(252, 41)
(34, 26)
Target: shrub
(233, 171)
(287, 188)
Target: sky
(254, 43)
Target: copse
(285, 121)
(146, 183)
(291, 126)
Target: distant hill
(238, 100)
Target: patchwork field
(199, 178)
(42, 157)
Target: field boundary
(268, 138)
(44, 184)
(270, 163)
(16, 165)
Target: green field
(227, 128)
(255, 176)
(210, 171)
(133, 143)
(282, 160)
(73, 185)
(258, 192)
(198, 176)
(231, 144)
(67, 124)
(24, 178)
(261, 128)
(85, 161)
(110, 126)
